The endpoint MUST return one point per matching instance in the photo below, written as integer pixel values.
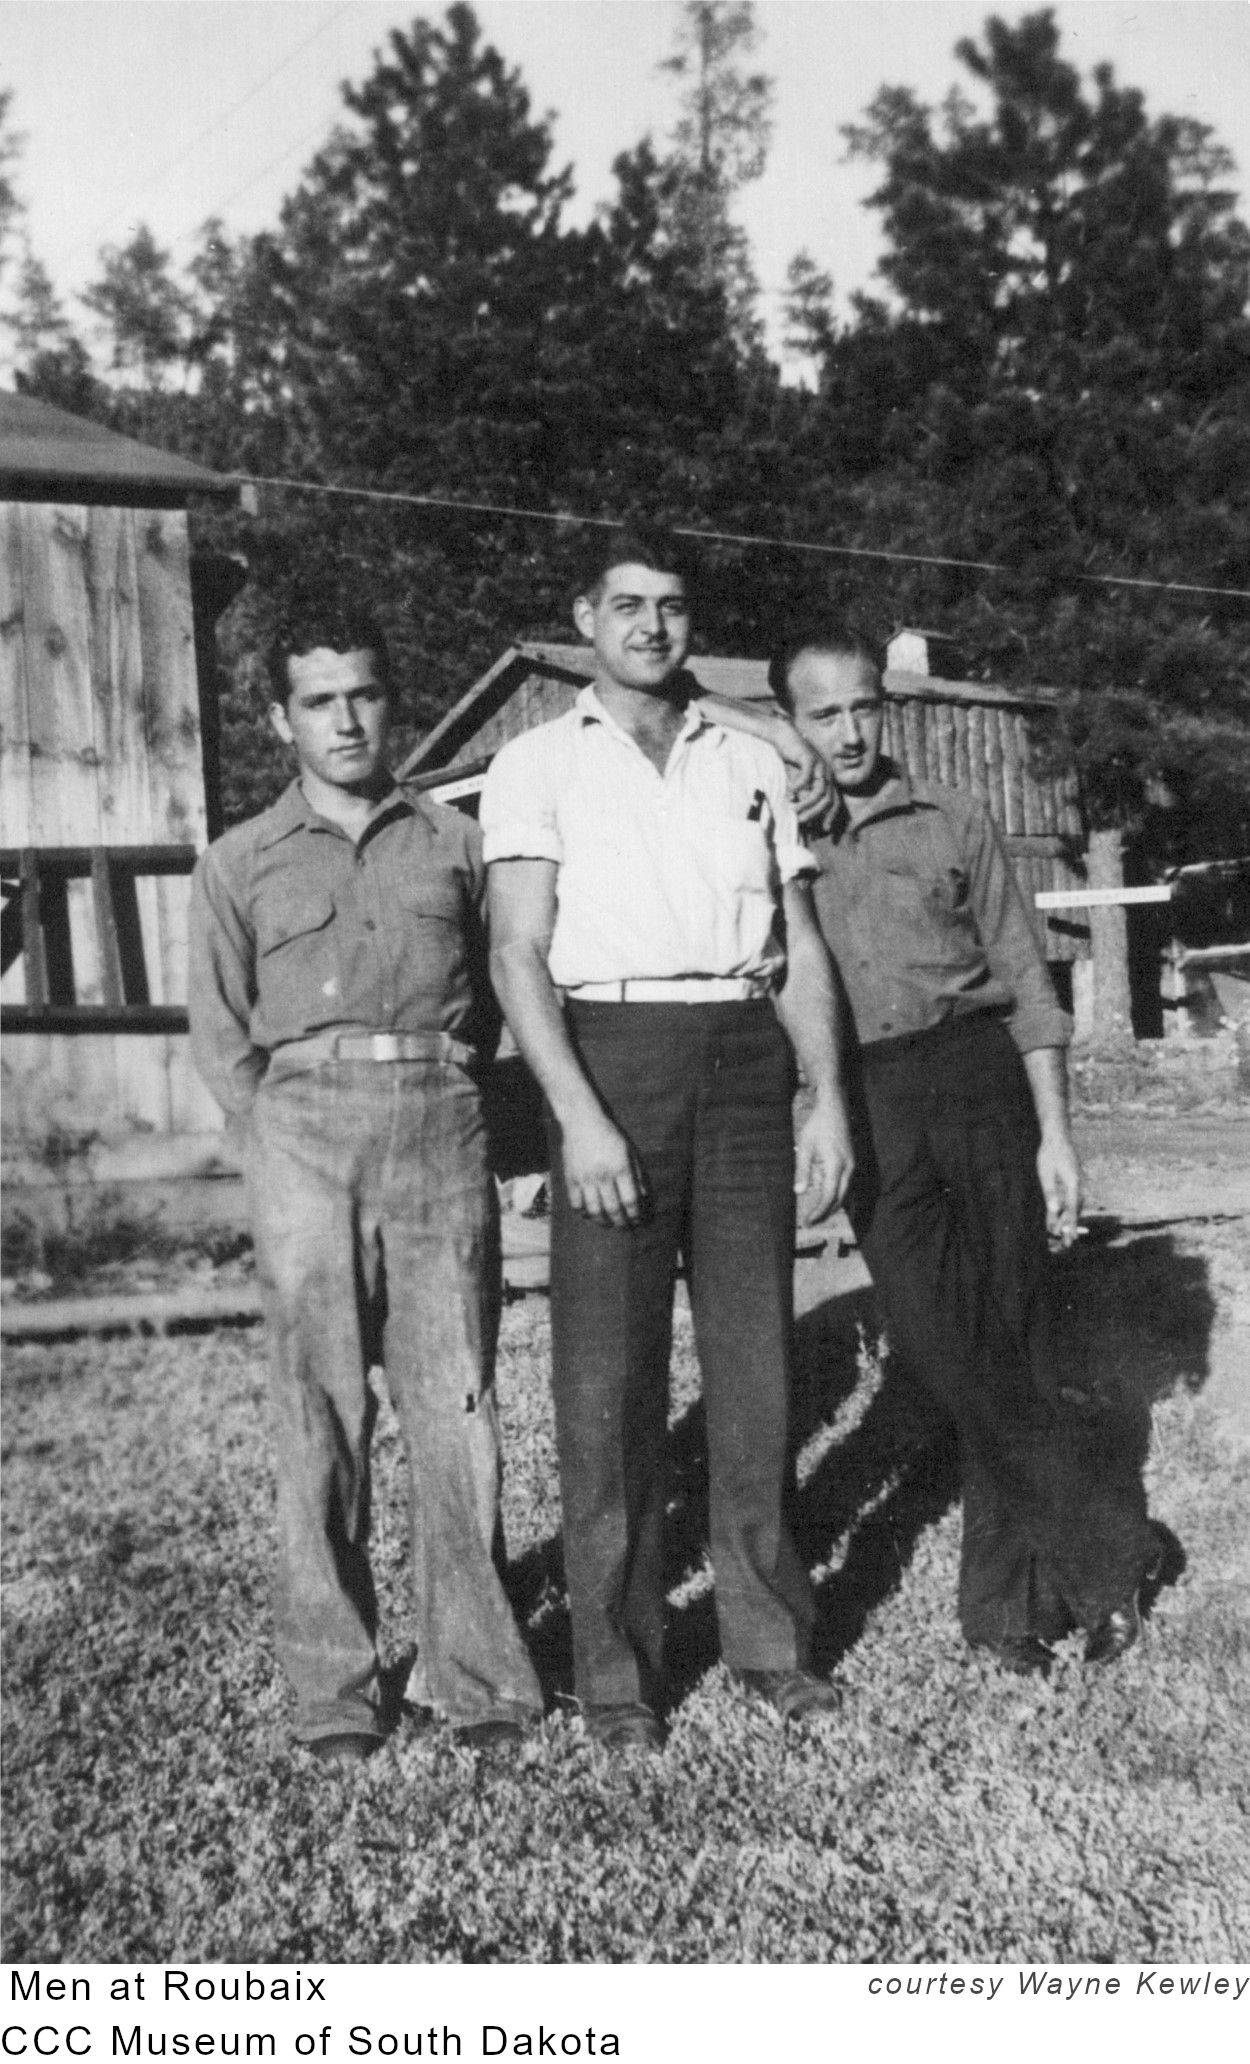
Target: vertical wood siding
(100, 745)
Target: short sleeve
(794, 861)
(518, 812)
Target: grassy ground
(155, 1812)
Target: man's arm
(807, 777)
(810, 1011)
(601, 1172)
(221, 990)
(1037, 1024)
(1058, 1169)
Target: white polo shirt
(661, 877)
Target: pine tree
(720, 144)
(1059, 381)
(143, 310)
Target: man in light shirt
(654, 949)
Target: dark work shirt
(297, 929)
(922, 912)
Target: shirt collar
(894, 797)
(293, 812)
(591, 711)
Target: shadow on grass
(1135, 1314)
(1136, 1319)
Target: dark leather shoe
(343, 1748)
(794, 1694)
(1022, 1655)
(623, 1727)
(1113, 1636)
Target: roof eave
(124, 491)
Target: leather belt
(684, 989)
(298, 1055)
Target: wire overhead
(218, 122)
(570, 517)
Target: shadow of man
(877, 1458)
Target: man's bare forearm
(1046, 1068)
(1058, 1169)
(811, 1013)
(528, 999)
(807, 777)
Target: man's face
(839, 709)
(639, 625)
(338, 717)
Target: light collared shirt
(661, 876)
(298, 929)
(923, 915)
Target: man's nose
(653, 619)
(346, 715)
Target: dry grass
(154, 1810)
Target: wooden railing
(36, 927)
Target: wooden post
(1083, 1001)
(1174, 990)
(1112, 1028)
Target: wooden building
(106, 722)
(961, 733)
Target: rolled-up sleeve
(518, 812)
(221, 989)
(794, 861)
(1036, 1018)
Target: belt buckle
(385, 1046)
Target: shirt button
(369, 925)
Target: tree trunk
(1112, 1029)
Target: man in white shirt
(653, 947)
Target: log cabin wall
(100, 746)
(992, 744)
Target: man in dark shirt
(966, 1165)
(336, 999)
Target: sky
(168, 111)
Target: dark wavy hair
(635, 544)
(327, 622)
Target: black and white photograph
(625, 834)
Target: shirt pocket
(431, 918)
(927, 912)
(741, 854)
(298, 962)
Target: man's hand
(824, 1160)
(1059, 1173)
(807, 777)
(1058, 1170)
(601, 1172)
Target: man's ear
(584, 617)
(281, 723)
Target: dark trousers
(377, 1239)
(950, 1218)
(703, 1093)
